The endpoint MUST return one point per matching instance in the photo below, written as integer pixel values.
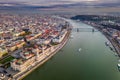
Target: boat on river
(110, 46)
(107, 43)
(118, 65)
(79, 49)
(71, 36)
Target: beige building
(21, 64)
(28, 59)
(3, 52)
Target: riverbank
(58, 47)
(113, 42)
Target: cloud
(56, 2)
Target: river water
(84, 57)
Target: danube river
(84, 57)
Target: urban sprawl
(26, 40)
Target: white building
(59, 38)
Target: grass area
(8, 59)
(54, 44)
(6, 65)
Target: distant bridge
(84, 30)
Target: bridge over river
(84, 30)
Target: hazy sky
(52, 2)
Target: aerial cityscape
(60, 40)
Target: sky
(54, 2)
(70, 6)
